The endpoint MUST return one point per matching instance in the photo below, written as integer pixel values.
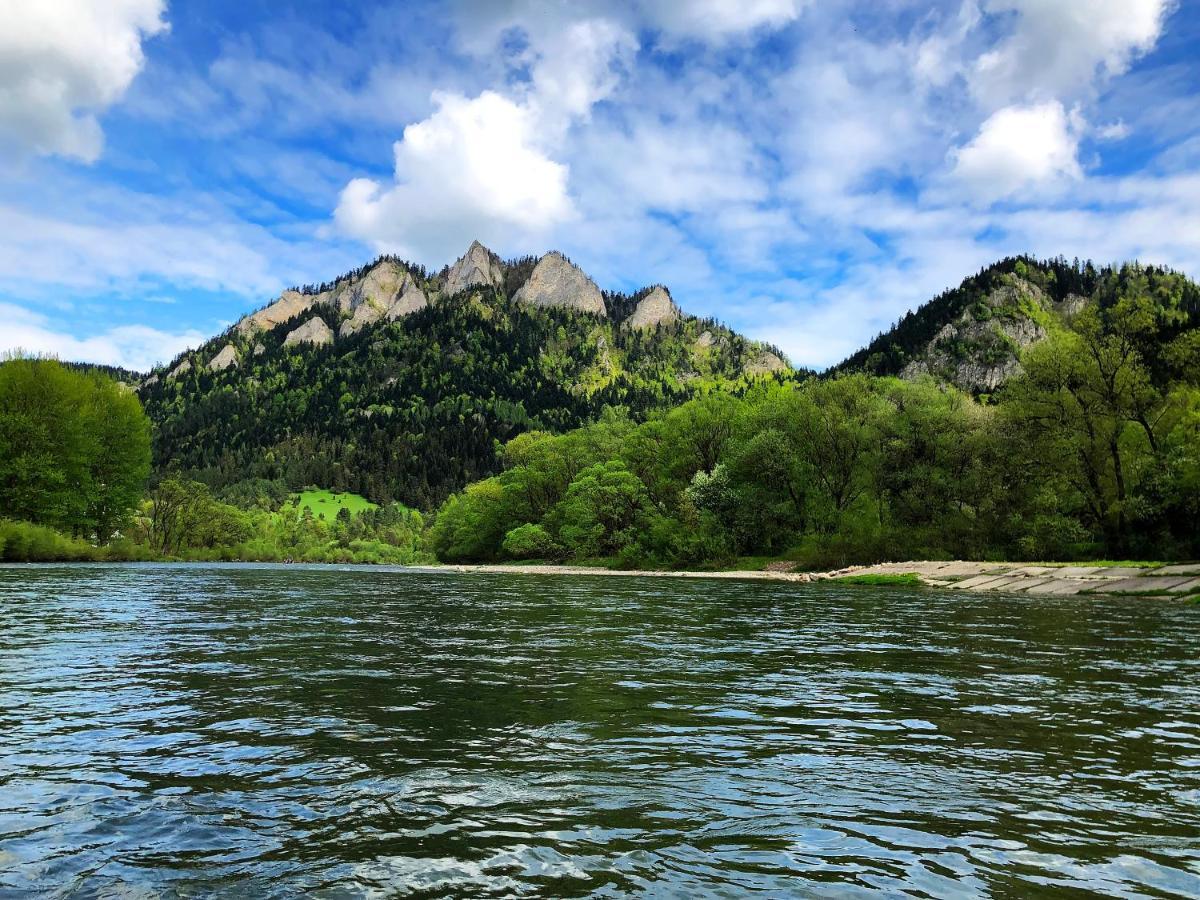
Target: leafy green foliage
(74, 448)
(182, 519)
(531, 541)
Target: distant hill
(397, 384)
(972, 336)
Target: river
(270, 731)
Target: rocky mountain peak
(478, 266)
(655, 308)
(559, 283)
(388, 291)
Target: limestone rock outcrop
(184, 366)
(314, 332)
(289, 305)
(223, 360)
(478, 266)
(655, 308)
(980, 350)
(764, 362)
(556, 282)
(388, 291)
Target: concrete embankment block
(1076, 571)
(1181, 569)
(1060, 586)
(1115, 572)
(1144, 585)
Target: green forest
(551, 436)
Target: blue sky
(805, 171)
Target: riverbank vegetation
(1091, 451)
(1094, 450)
(74, 470)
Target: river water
(263, 731)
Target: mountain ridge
(398, 384)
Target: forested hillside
(398, 385)
(973, 336)
(1091, 450)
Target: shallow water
(263, 731)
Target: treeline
(1093, 452)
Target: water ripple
(261, 731)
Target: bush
(531, 542)
(25, 542)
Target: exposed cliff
(314, 332)
(479, 266)
(655, 308)
(556, 282)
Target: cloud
(64, 61)
(1019, 147)
(1057, 48)
(481, 167)
(576, 70)
(75, 238)
(718, 19)
(472, 168)
(134, 347)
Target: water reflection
(265, 731)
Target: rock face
(655, 308)
(980, 350)
(223, 360)
(557, 283)
(478, 266)
(314, 332)
(764, 362)
(387, 291)
(185, 366)
(289, 305)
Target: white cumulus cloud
(482, 167)
(62, 62)
(1019, 147)
(472, 168)
(136, 347)
(1057, 47)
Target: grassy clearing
(328, 504)
(909, 579)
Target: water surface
(260, 731)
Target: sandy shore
(1169, 580)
